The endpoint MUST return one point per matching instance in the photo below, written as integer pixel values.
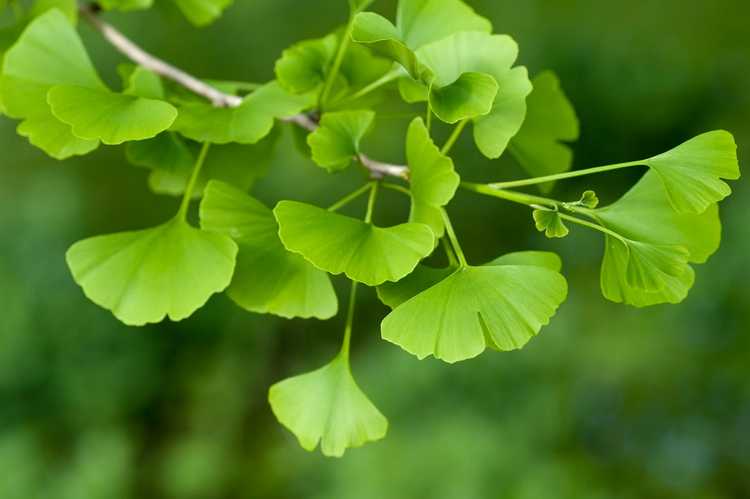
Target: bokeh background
(608, 402)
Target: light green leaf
(501, 307)
(98, 114)
(48, 53)
(394, 294)
(144, 276)
(645, 214)
(268, 278)
(246, 124)
(336, 142)
(692, 171)
(419, 22)
(126, 5)
(432, 177)
(470, 96)
(202, 12)
(166, 151)
(549, 222)
(327, 406)
(340, 244)
(550, 121)
(589, 199)
(494, 55)
(67, 7)
(236, 164)
(141, 82)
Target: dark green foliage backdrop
(608, 401)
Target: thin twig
(217, 98)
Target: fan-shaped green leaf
(494, 55)
(143, 276)
(246, 124)
(394, 294)
(550, 121)
(432, 176)
(166, 151)
(385, 39)
(143, 83)
(500, 307)
(470, 96)
(340, 244)
(693, 171)
(202, 12)
(589, 199)
(549, 222)
(645, 214)
(327, 406)
(48, 53)
(268, 278)
(336, 142)
(98, 114)
(67, 7)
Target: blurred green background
(608, 402)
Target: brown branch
(217, 98)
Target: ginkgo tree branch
(132, 51)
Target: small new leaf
(589, 199)
(340, 244)
(268, 278)
(549, 222)
(144, 276)
(336, 142)
(202, 12)
(327, 406)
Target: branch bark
(217, 98)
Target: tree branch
(217, 98)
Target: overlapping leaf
(540, 145)
(202, 12)
(692, 172)
(340, 244)
(498, 306)
(336, 142)
(49, 82)
(327, 406)
(144, 276)
(245, 124)
(493, 55)
(268, 278)
(432, 177)
(549, 222)
(644, 215)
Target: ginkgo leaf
(268, 278)
(202, 12)
(494, 55)
(245, 124)
(98, 114)
(239, 165)
(67, 7)
(693, 171)
(340, 244)
(167, 151)
(336, 142)
(126, 5)
(496, 306)
(433, 179)
(48, 53)
(327, 406)
(549, 222)
(469, 96)
(540, 145)
(589, 199)
(394, 294)
(143, 83)
(144, 276)
(419, 22)
(645, 214)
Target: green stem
(516, 197)
(454, 137)
(187, 197)
(350, 197)
(563, 176)
(452, 261)
(591, 225)
(428, 119)
(337, 61)
(454, 240)
(349, 322)
(397, 188)
(383, 80)
(371, 201)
